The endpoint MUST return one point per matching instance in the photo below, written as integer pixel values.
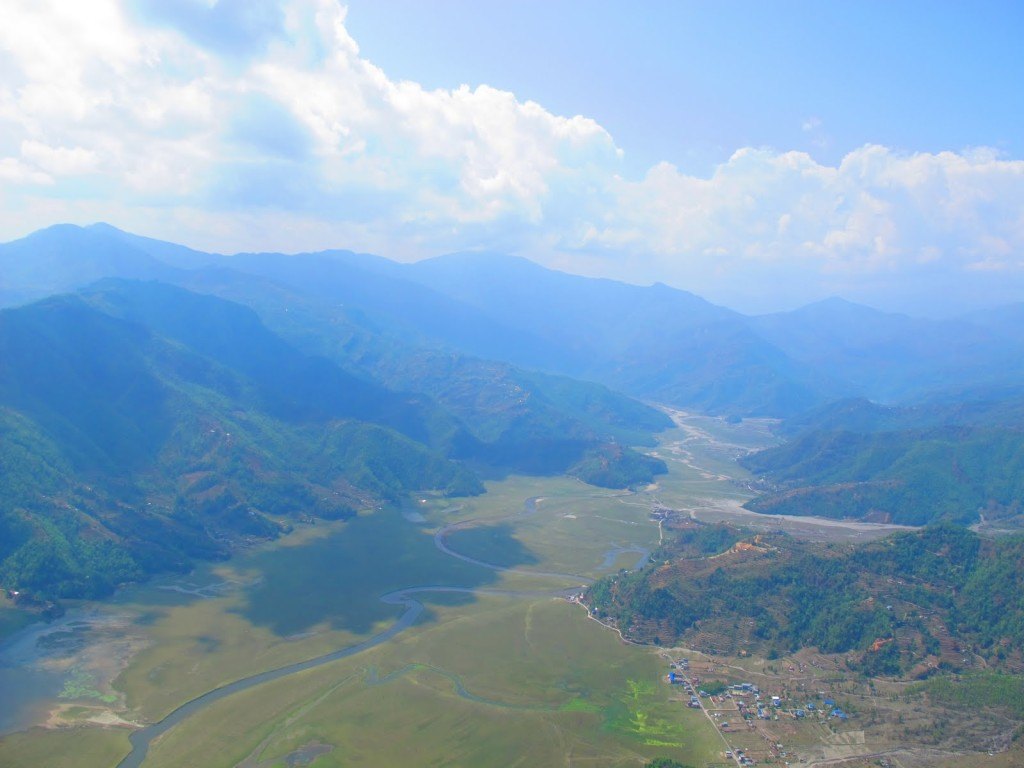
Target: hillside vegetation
(906, 605)
(656, 342)
(911, 466)
(144, 426)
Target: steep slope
(912, 477)
(887, 605)
(292, 385)
(951, 459)
(379, 327)
(125, 452)
(518, 420)
(654, 342)
(381, 291)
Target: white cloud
(290, 139)
(14, 171)
(59, 161)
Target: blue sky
(690, 82)
(763, 155)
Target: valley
(277, 509)
(317, 593)
(370, 583)
(435, 630)
(511, 385)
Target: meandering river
(143, 737)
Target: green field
(71, 748)
(505, 673)
(510, 682)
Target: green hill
(908, 604)
(125, 452)
(145, 426)
(514, 420)
(613, 466)
(655, 342)
(912, 477)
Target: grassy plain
(64, 748)
(503, 682)
(278, 604)
(481, 678)
(569, 533)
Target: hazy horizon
(824, 299)
(756, 157)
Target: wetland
(437, 632)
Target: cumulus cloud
(240, 125)
(907, 221)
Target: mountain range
(655, 342)
(160, 404)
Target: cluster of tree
(613, 466)
(888, 603)
(981, 690)
(693, 539)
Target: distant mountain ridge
(654, 342)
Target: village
(753, 723)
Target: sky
(762, 155)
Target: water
(26, 693)
(32, 670)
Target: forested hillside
(655, 342)
(145, 426)
(908, 604)
(959, 461)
